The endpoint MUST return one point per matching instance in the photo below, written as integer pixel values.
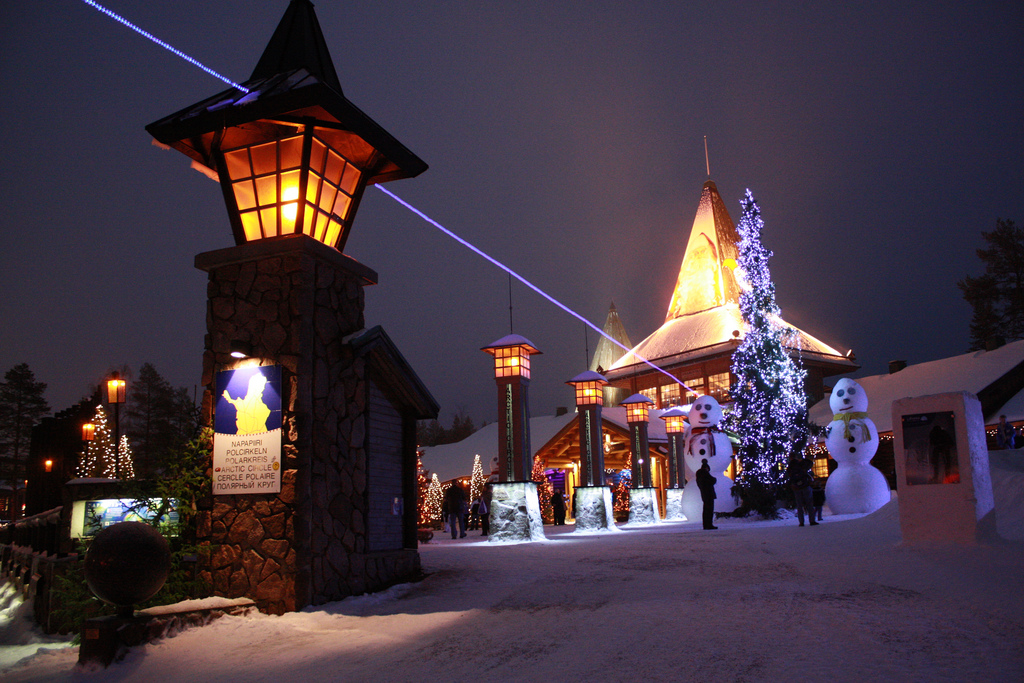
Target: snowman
(852, 439)
(706, 440)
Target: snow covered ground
(753, 601)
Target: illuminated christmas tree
(477, 480)
(435, 496)
(620, 491)
(769, 404)
(544, 490)
(97, 460)
(422, 491)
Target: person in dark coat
(454, 502)
(558, 507)
(485, 509)
(706, 484)
(799, 477)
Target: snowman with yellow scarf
(852, 440)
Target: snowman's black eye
(840, 392)
(852, 391)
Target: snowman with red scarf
(706, 440)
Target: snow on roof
(692, 335)
(970, 372)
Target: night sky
(565, 139)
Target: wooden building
(704, 327)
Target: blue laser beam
(538, 290)
(170, 48)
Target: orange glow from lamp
(637, 407)
(589, 388)
(88, 431)
(512, 356)
(48, 465)
(115, 389)
(675, 420)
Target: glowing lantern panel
(88, 431)
(512, 361)
(115, 390)
(295, 184)
(674, 424)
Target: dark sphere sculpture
(127, 563)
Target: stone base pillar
(674, 505)
(515, 513)
(643, 506)
(594, 509)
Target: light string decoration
(769, 410)
(117, 17)
(170, 48)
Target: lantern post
(675, 427)
(643, 501)
(594, 510)
(515, 506)
(116, 396)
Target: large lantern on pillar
(589, 388)
(292, 155)
(512, 373)
(637, 409)
(675, 427)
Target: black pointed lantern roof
(294, 83)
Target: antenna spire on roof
(707, 161)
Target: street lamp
(589, 399)
(88, 432)
(643, 504)
(116, 396)
(675, 427)
(515, 506)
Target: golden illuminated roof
(705, 276)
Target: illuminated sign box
(89, 516)
(247, 431)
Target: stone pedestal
(295, 302)
(643, 506)
(943, 479)
(515, 513)
(594, 509)
(674, 505)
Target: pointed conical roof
(706, 274)
(298, 43)
(606, 352)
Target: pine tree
(997, 296)
(161, 420)
(21, 407)
(97, 460)
(544, 490)
(435, 496)
(477, 479)
(769, 403)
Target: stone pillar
(294, 301)
(674, 490)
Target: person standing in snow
(558, 507)
(818, 497)
(799, 477)
(455, 503)
(485, 510)
(1005, 434)
(706, 484)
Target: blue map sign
(247, 425)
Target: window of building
(670, 395)
(718, 387)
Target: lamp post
(594, 509)
(116, 396)
(515, 507)
(643, 503)
(675, 427)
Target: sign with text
(247, 431)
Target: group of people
(462, 516)
(808, 495)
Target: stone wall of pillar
(294, 301)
